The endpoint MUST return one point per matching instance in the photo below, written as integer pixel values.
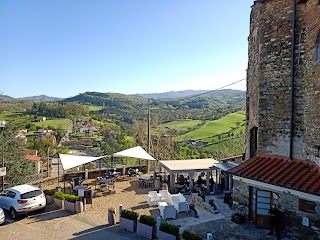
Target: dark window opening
(318, 48)
(253, 141)
(307, 206)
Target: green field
(62, 123)
(181, 125)
(93, 108)
(214, 127)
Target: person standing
(274, 214)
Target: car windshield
(31, 194)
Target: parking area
(59, 224)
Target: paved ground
(58, 224)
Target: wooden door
(263, 204)
(253, 203)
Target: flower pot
(49, 199)
(58, 203)
(127, 224)
(79, 206)
(145, 230)
(70, 206)
(166, 236)
(111, 218)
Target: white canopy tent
(135, 152)
(70, 161)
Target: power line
(197, 95)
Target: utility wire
(197, 95)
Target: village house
(41, 118)
(32, 155)
(283, 123)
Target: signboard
(305, 221)
(3, 171)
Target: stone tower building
(283, 79)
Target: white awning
(70, 161)
(135, 152)
(192, 165)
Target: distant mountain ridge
(172, 94)
(41, 98)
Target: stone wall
(269, 74)
(288, 205)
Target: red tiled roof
(33, 158)
(300, 175)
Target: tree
(19, 169)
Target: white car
(22, 199)
(2, 217)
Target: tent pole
(58, 171)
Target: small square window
(307, 206)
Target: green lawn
(182, 125)
(62, 123)
(214, 127)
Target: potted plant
(111, 216)
(202, 196)
(164, 186)
(70, 202)
(168, 231)
(128, 220)
(49, 195)
(193, 210)
(212, 204)
(188, 235)
(146, 226)
(59, 199)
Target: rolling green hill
(215, 127)
(181, 125)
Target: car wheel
(13, 213)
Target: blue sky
(62, 48)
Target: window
(31, 194)
(307, 206)
(317, 54)
(253, 141)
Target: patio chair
(165, 196)
(180, 203)
(153, 198)
(166, 211)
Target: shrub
(147, 220)
(128, 214)
(211, 202)
(59, 195)
(112, 209)
(188, 235)
(49, 192)
(169, 228)
(71, 198)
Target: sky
(63, 48)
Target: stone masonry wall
(268, 78)
(312, 79)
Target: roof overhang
(278, 189)
(186, 166)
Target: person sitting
(199, 181)
(181, 180)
